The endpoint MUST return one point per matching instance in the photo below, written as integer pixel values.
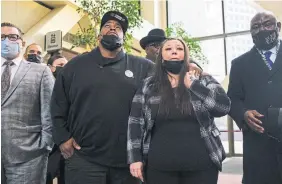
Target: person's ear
(52, 69)
(23, 43)
(279, 26)
(123, 36)
(100, 37)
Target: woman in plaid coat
(172, 137)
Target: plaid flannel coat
(208, 100)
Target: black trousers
(262, 159)
(80, 171)
(55, 167)
(209, 176)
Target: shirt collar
(273, 50)
(102, 61)
(17, 61)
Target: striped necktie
(6, 78)
(267, 55)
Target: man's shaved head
(262, 17)
(265, 30)
(264, 13)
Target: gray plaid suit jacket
(25, 115)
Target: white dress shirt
(273, 55)
(14, 68)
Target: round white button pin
(128, 73)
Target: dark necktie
(267, 55)
(6, 78)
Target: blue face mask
(9, 50)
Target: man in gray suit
(25, 117)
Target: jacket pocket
(34, 128)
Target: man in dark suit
(256, 86)
(152, 42)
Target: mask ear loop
(19, 48)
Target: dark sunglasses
(156, 45)
(11, 37)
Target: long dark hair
(161, 84)
(53, 58)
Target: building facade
(36, 18)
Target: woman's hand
(136, 170)
(193, 66)
(189, 78)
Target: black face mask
(57, 71)
(34, 58)
(266, 39)
(173, 66)
(111, 42)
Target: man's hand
(67, 148)
(136, 170)
(251, 117)
(193, 66)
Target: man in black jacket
(90, 107)
(152, 42)
(255, 87)
(33, 53)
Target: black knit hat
(117, 16)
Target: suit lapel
(258, 63)
(278, 62)
(21, 72)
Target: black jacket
(91, 103)
(253, 86)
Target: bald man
(33, 53)
(255, 87)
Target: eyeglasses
(11, 37)
(156, 45)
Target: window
(236, 46)
(200, 17)
(215, 56)
(243, 8)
